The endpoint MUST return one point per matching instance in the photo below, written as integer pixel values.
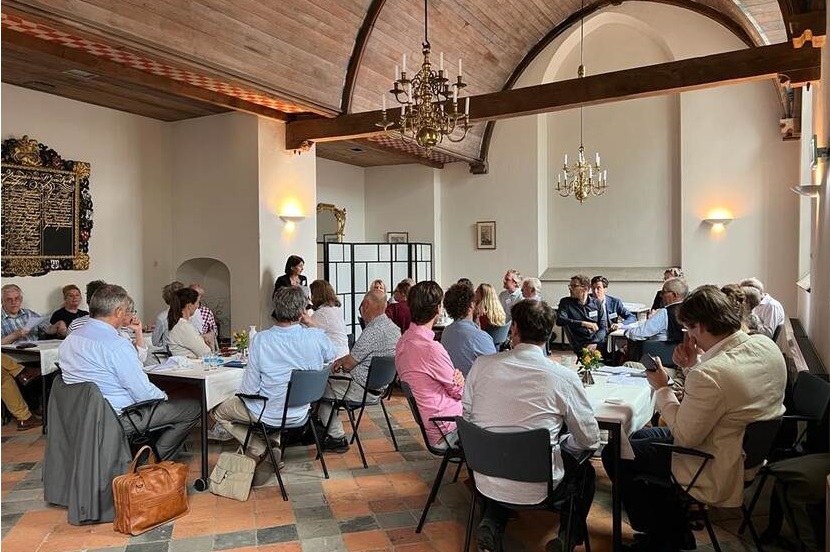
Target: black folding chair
(518, 456)
(381, 374)
(304, 388)
(757, 443)
(498, 333)
(448, 454)
(149, 433)
(661, 349)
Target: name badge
(613, 316)
(592, 314)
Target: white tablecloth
(632, 405)
(46, 351)
(220, 383)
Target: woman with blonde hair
(489, 311)
(328, 316)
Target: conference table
(623, 402)
(215, 384)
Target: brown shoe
(28, 375)
(29, 423)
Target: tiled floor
(356, 510)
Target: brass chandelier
(582, 179)
(429, 102)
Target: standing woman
(328, 316)
(293, 275)
(71, 303)
(182, 337)
(489, 311)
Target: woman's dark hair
(178, 301)
(293, 260)
(425, 301)
(457, 301)
(534, 320)
(322, 295)
(466, 282)
(709, 306)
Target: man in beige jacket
(733, 379)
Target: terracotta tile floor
(357, 509)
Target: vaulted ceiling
(295, 58)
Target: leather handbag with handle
(232, 476)
(150, 495)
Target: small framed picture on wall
(486, 234)
(397, 237)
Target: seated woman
(489, 311)
(328, 316)
(182, 337)
(70, 309)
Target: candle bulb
(605, 175)
(454, 95)
(467, 107)
(383, 98)
(558, 179)
(403, 64)
(441, 61)
(597, 158)
(566, 159)
(459, 67)
(403, 111)
(397, 73)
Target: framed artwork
(486, 234)
(328, 238)
(397, 237)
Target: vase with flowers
(241, 340)
(589, 360)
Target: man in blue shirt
(97, 353)
(463, 341)
(274, 354)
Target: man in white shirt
(522, 389)
(204, 320)
(770, 312)
(663, 325)
(274, 354)
(512, 291)
(532, 289)
(96, 353)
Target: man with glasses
(582, 315)
(663, 325)
(96, 353)
(15, 318)
(512, 293)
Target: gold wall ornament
(339, 217)
(46, 210)
(305, 147)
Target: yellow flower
(597, 354)
(586, 360)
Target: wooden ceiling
(292, 57)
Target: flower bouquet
(240, 340)
(589, 360)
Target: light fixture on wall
(292, 218)
(816, 153)
(807, 190)
(582, 179)
(429, 103)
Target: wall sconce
(292, 218)
(807, 190)
(816, 153)
(717, 224)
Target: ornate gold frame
(339, 216)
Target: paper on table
(35, 322)
(617, 370)
(171, 363)
(625, 379)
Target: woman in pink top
(426, 367)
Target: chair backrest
(381, 372)
(758, 440)
(306, 387)
(661, 349)
(498, 333)
(811, 396)
(350, 340)
(777, 332)
(516, 455)
(416, 414)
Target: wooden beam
(808, 27)
(360, 43)
(106, 68)
(746, 65)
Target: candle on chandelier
(566, 159)
(403, 110)
(605, 175)
(597, 158)
(590, 171)
(459, 67)
(383, 98)
(397, 73)
(403, 64)
(467, 107)
(441, 62)
(454, 95)
(559, 179)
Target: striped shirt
(11, 323)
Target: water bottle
(251, 334)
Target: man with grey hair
(273, 355)
(96, 353)
(663, 326)
(532, 289)
(512, 293)
(770, 312)
(16, 318)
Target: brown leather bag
(149, 496)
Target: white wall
(345, 187)
(130, 181)
(401, 198)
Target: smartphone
(650, 362)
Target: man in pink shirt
(426, 367)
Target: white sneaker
(218, 433)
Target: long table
(215, 386)
(622, 409)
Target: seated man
(583, 315)
(740, 379)
(512, 291)
(462, 339)
(532, 289)
(523, 389)
(615, 312)
(12, 397)
(96, 353)
(663, 324)
(15, 319)
(769, 312)
(426, 367)
(398, 311)
(378, 338)
(204, 320)
(273, 355)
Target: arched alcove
(215, 277)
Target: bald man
(378, 338)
